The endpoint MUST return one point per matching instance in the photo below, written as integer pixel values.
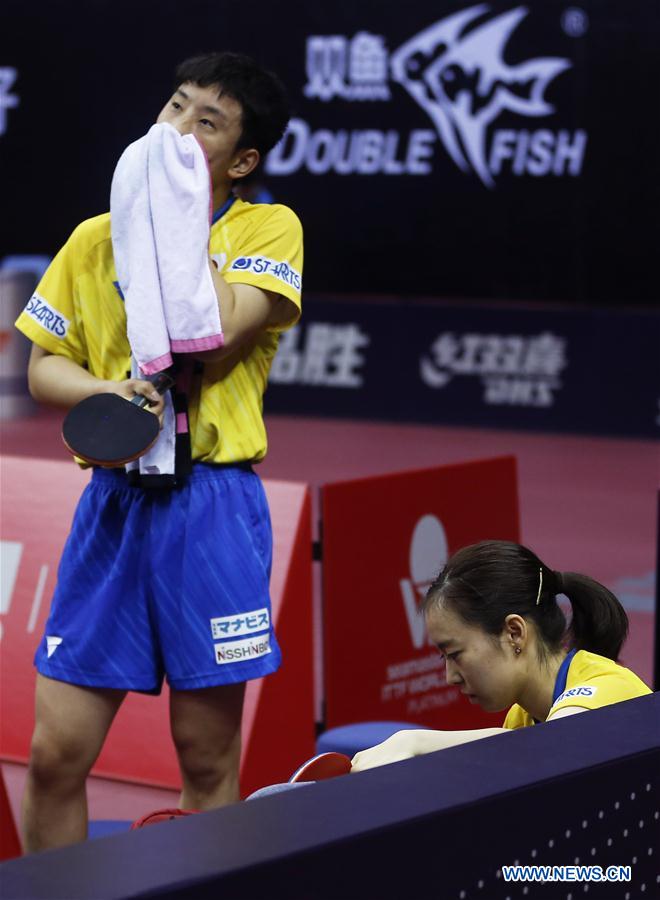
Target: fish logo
(458, 75)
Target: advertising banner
(540, 369)
(462, 149)
(38, 503)
(385, 539)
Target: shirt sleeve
(49, 318)
(516, 718)
(271, 258)
(598, 690)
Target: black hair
(486, 582)
(260, 93)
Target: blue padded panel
(104, 827)
(350, 739)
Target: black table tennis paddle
(107, 430)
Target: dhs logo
(428, 555)
(515, 369)
(457, 72)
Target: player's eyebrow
(211, 110)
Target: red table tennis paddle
(325, 765)
(107, 430)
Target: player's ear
(244, 161)
(515, 630)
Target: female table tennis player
(493, 613)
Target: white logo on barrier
(52, 643)
(10, 561)
(420, 681)
(7, 100)
(428, 554)
(516, 370)
(240, 651)
(49, 318)
(455, 70)
(329, 356)
(240, 623)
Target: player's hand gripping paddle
(108, 430)
(325, 765)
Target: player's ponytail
(486, 582)
(599, 623)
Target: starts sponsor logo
(240, 651)
(456, 71)
(516, 370)
(42, 312)
(262, 265)
(585, 690)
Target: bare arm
(566, 711)
(60, 381)
(245, 310)
(405, 744)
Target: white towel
(136, 260)
(180, 194)
(159, 459)
(160, 207)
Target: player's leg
(211, 598)
(98, 643)
(71, 725)
(206, 728)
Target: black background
(93, 76)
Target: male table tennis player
(152, 582)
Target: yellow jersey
(78, 311)
(592, 681)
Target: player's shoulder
(284, 214)
(266, 214)
(586, 664)
(591, 669)
(90, 234)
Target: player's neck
(538, 695)
(221, 194)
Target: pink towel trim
(181, 423)
(204, 343)
(157, 365)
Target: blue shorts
(164, 582)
